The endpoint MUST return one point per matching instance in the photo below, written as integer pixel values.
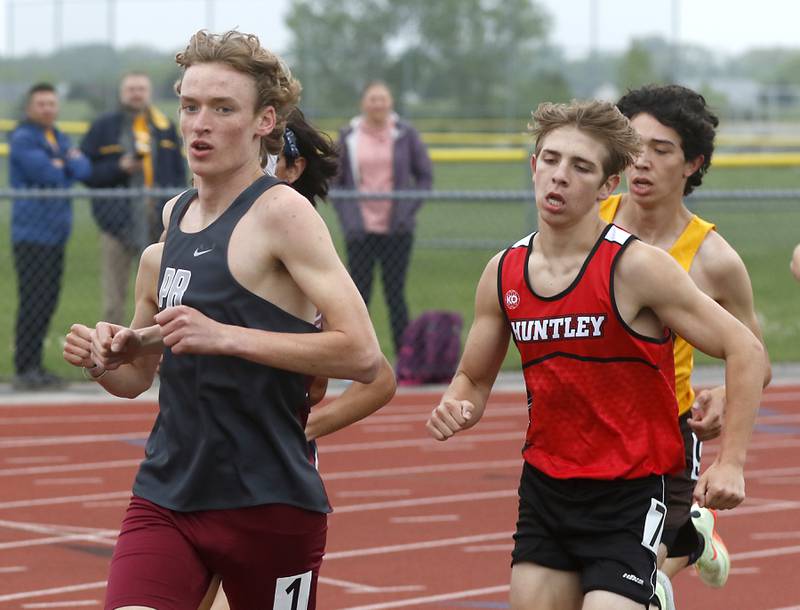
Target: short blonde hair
(275, 85)
(601, 120)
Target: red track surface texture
(418, 524)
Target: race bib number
(292, 592)
(654, 525)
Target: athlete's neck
(658, 224)
(216, 193)
(554, 240)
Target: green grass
(763, 232)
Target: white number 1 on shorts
(292, 592)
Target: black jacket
(102, 146)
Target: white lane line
(70, 481)
(430, 599)
(19, 544)
(425, 519)
(774, 535)
(70, 604)
(51, 528)
(489, 548)
(422, 441)
(416, 546)
(759, 501)
(354, 587)
(367, 493)
(13, 569)
(76, 419)
(788, 608)
(54, 591)
(106, 504)
(778, 506)
(42, 441)
(763, 553)
(31, 470)
(750, 570)
(63, 533)
(470, 497)
(433, 468)
(36, 459)
(112, 495)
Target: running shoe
(714, 564)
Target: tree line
(444, 58)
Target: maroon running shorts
(268, 557)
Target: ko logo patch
(512, 299)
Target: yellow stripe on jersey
(683, 250)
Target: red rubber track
(417, 523)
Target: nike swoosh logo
(199, 252)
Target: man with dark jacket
(41, 157)
(380, 153)
(136, 147)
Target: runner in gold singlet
(677, 131)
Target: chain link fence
(436, 268)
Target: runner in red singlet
(592, 310)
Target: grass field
(443, 274)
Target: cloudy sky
(725, 25)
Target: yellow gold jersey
(683, 250)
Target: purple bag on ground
(430, 348)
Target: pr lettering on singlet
(173, 287)
(292, 592)
(562, 327)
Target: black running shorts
(607, 531)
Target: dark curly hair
(318, 150)
(683, 110)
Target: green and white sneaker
(664, 595)
(714, 564)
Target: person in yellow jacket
(677, 131)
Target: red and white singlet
(601, 397)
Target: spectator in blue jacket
(136, 146)
(41, 157)
(380, 153)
